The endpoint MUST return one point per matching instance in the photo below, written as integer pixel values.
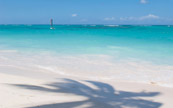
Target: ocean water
(110, 52)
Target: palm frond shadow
(105, 96)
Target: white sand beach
(86, 54)
(49, 90)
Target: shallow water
(124, 52)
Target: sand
(20, 89)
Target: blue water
(147, 43)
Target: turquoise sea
(110, 45)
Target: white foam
(93, 67)
(8, 51)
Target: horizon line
(88, 24)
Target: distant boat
(51, 24)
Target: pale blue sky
(86, 11)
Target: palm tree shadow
(102, 96)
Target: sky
(157, 12)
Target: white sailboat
(51, 24)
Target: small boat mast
(51, 24)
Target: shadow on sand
(101, 96)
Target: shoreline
(48, 74)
